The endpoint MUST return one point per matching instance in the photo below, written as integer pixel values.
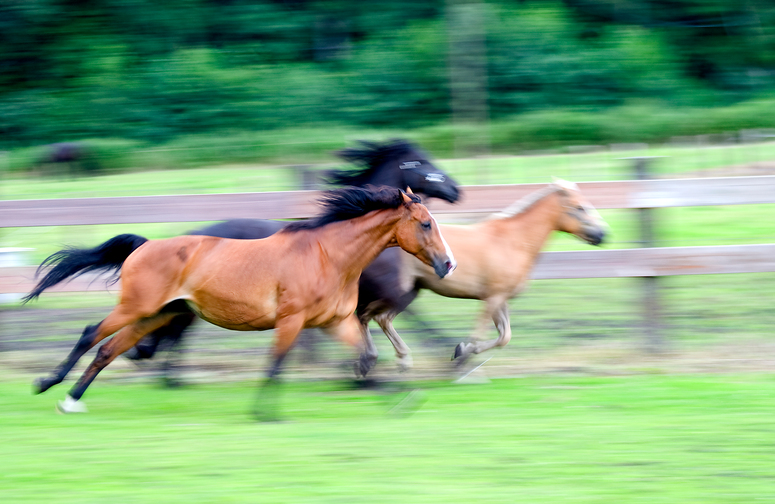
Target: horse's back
(241, 229)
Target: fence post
(308, 178)
(467, 62)
(652, 313)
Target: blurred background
(140, 97)
(619, 389)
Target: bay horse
(306, 275)
(495, 257)
(396, 163)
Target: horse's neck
(353, 244)
(532, 227)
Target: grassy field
(591, 420)
(649, 439)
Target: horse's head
(579, 217)
(418, 233)
(397, 163)
(415, 170)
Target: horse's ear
(409, 190)
(407, 200)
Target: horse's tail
(71, 262)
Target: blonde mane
(524, 204)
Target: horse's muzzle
(595, 237)
(444, 267)
(452, 194)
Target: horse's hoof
(40, 385)
(462, 354)
(363, 365)
(70, 405)
(405, 364)
(266, 416)
(171, 383)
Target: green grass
(649, 439)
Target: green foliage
(154, 71)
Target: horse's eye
(426, 226)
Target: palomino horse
(395, 163)
(304, 276)
(495, 260)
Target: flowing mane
(524, 204)
(351, 202)
(370, 157)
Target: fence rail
(646, 262)
(301, 204)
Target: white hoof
(404, 363)
(70, 405)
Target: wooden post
(652, 313)
(467, 60)
(308, 177)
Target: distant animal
(306, 275)
(397, 163)
(68, 158)
(495, 258)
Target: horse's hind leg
(121, 342)
(92, 335)
(498, 311)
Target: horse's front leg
(497, 310)
(286, 331)
(403, 352)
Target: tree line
(154, 71)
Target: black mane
(351, 202)
(371, 156)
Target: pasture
(648, 438)
(582, 415)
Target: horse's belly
(461, 284)
(239, 315)
(326, 313)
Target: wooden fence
(648, 262)
(634, 194)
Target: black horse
(395, 163)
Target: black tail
(71, 262)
